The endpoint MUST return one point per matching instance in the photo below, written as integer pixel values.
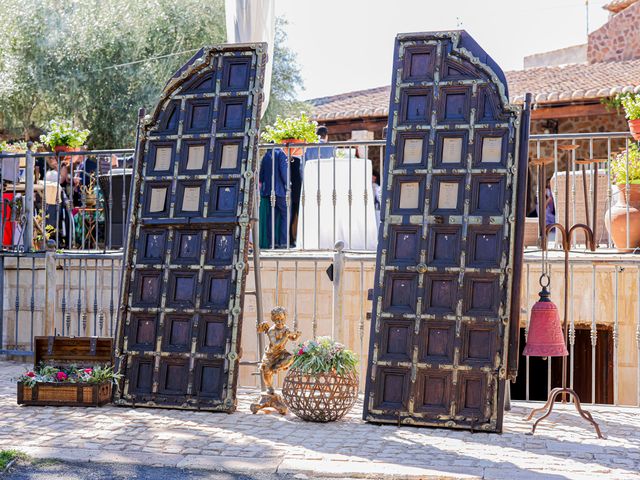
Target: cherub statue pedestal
(275, 359)
(269, 401)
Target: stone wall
(618, 39)
(561, 56)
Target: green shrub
(63, 134)
(7, 456)
(618, 168)
(324, 355)
(296, 128)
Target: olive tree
(96, 62)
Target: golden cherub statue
(275, 358)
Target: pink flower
(61, 376)
(300, 352)
(30, 374)
(88, 371)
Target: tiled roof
(547, 84)
(616, 6)
(579, 81)
(373, 102)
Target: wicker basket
(323, 397)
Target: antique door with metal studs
(448, 246)
(180, 322)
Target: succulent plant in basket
(322, 382)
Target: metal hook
(546, 276)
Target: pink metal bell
(545, 338)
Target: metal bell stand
(567, 234)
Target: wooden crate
(64, 351)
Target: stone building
(568, 85)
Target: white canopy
(253, 21)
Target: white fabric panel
(253, 21)
(312, 220)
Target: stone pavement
(562, 448)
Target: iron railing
(327, 193)
(72, 288)
(65, 200)
(76, 294)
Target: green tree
(97, 61)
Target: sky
(347, 45)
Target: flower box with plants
(64, 137)
(322, 383)
(624, 172)
(292, 130)
(630, 102)
(69, 371)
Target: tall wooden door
(447, 247)
(179, 332)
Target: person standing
(273, 179)
(315, 153)
(377, 196)
(297, 166)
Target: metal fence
(310, 195)
(64, 279)
(322, 193)
(76, 294)
(575, 170)
(334, 192)
(65, 200)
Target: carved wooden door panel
(447, 256)
(182, 302)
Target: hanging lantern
(545, 338)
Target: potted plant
(64, 137)
(292, 130)
(631, 104)
(322, 382)
(625, 176)
(89, 192)
(18, 147)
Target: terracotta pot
(293, 151)
(615, 218)
(90, 200)
(65, 148)
(634, 128)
